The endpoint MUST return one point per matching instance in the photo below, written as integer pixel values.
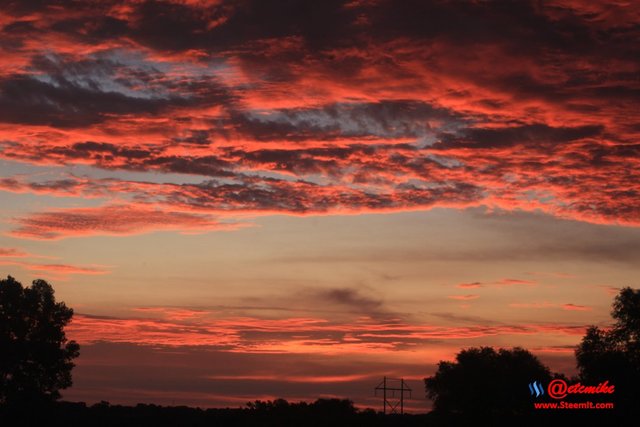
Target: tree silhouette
(483, 381)
(614, 355)
(35, 357)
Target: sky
(257, 199)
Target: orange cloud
(533, 305)
(511, 282)
(575, 307)
(610, 290)
(464, 297)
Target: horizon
(255, 200)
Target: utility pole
(392, 385)
(384, 391)
(401, 395)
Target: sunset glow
(260, 199)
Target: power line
(389, 387)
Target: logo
(559, 389)
(536, 388)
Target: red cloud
(286, 335)
(294, 379)
(111, 220)
(172, 313)
(12, 253)
(571, 307)
(58, 269)
(383, 124)
(65, 269)
(501, 282)
(469, 285)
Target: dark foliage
(280, 413)
(614, 355)
(35, 357)
(277, 413)
(483, 381)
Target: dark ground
(279, 413)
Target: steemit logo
(536, 389)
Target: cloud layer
(167, 326)
(338, 107)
